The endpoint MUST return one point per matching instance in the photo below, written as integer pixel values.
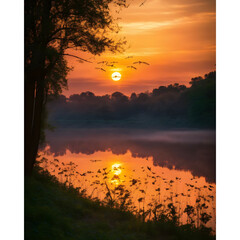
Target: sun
(116, 76)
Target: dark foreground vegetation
(172, 106)
(55, 211)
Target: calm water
(141, 170)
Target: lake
(148, 172)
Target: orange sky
(176, 37)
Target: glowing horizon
(176, 38)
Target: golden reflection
(144, 185)
(116, 170)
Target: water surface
(140, 170)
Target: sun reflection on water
(116, 170)
(136, 180)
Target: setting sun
(116, 76)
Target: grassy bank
(54, 211)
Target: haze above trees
(167, 106)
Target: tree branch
(66, 54)
(58, 30)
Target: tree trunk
(34, 98)
(34, 87)
(29, 90)
(37, 123)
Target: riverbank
(54, 211)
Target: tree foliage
(52, 28)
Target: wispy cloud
(139, 26)
(132, 28)
(177, 38)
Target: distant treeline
(167, 106)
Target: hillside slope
(53, 211)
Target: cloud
(176, 37)
(141, 26)
(164, 10)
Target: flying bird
(140, 62)
(101, 69)
(132, 67)
(110, 65)
(128, 57)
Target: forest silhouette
(167, 106)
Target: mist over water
(151, 166)
(189, 150)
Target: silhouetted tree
(119, 97)
(201, 99)
(51, 28)
(133, 97)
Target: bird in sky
(102, 62)
(101, 69)
(128, 57)
(132, 67)
(110, 65)
(140, 62)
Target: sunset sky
(176, 37)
